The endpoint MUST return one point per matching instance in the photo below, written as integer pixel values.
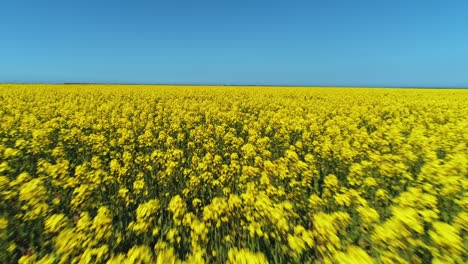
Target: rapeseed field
(180, 174)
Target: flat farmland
(206, 174)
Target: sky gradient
(318, 43)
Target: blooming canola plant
(180, 174)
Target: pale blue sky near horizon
(318, 43)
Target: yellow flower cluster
(179, 174)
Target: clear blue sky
(349, 42)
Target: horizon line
(234, 85)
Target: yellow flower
(315, 201)
(3, 182)
(3, 223)
(196, 202)
(102, 223)
(353, 255)
(139, 254)
(55, 223)
(145, 210)
(368, 215)
(245, 256)
(47, 259)
(446, 236)
(297, 244)
(26, 259)
(331, 181)
(178, 207)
